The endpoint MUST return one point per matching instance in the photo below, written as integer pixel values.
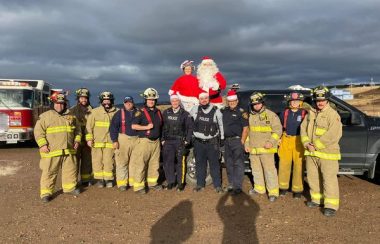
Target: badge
(137, 114)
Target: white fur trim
(170, 92)
(232, 98)
(203, 95)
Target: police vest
(174, 127)
(204, 123)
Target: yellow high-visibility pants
(50, 168)
(291, 154)
(322, 176)
(144, 163)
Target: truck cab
(360, 143)
(21, 102)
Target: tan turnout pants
(264, 174)
(122, 158)
(103, 163)
(323, 181)
(50, 168)
(144, 163)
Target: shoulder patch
(244, 115)
(137, 113)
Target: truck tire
(190, 173)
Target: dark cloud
(127, 46)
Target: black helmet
(82, 92)
(106, 95)
(321, 93)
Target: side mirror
(356, 119)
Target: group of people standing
(91, 141)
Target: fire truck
(21, 102)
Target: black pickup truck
(360, 144)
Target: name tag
(299, 118)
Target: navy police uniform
(234, 120)
(176, 134)
(208, 130)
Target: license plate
(11, 141)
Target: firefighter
(98, 138)
(81, 111)
(58, 135)
(235, 124)
(124, 139)
(264, 133)
(291, 149)
(208, 137)
(320, 134)
(145, 157)
(176, 136)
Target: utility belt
(214, 140)
(231, 137)
(172, 137)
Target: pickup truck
(360, 144)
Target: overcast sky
(126, 46)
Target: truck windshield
(16, 98)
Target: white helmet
(150, 93)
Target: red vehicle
(21, 102)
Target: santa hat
(207, 59)
(231, 95)
(203, 94)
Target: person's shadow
(239, 218)
(176, 226)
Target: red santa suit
(211, 80)
(187, 89)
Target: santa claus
(211, 80)
(186, 86)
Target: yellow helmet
(150, 93)
(257, 97)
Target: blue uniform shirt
(115, 127)
(293, 123)
(141, 119)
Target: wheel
(191, 171)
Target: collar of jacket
(261, 111)
(113, 109)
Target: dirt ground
(110, 216)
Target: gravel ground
(110, 216)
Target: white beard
(206, 77)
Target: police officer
(320, 134)
(176, 135)
(208, 131)
(58, 135)
(98, 138)
(81, 111)
(291, 149)
(264, 133)
(124, 139)
(146, 154)
(235, 124)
